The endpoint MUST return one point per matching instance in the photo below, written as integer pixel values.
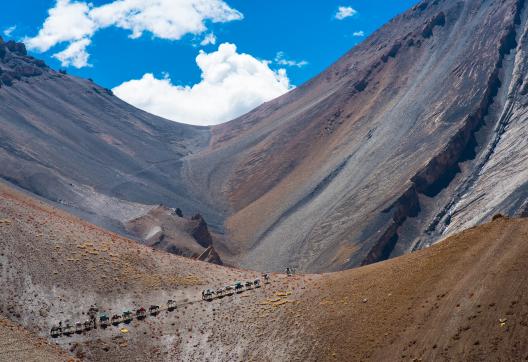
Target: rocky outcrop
(391, 53)
(15, 64)
(438, 20)
(163, 228)
(211, 256)
(524, 211)
(406, 206)
(200, 231)
(16, 48)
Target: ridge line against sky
(235, 70)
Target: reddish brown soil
(17, 344)
(442, 303)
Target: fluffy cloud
(166, 19)
(75, 54)
(344, 12)
(281, 59)
(231, 85)
(66, 22)
(72, 21)
(208, 39)
(359, 34)
(10, 30)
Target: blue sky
(305, 31)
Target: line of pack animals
(141, 313)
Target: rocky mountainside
(72, 142)
(418, 132)
(465, 299)
(162, 228)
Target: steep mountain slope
(73, 142)
(463, 299)
(419, 126)
(53, 266)
(417, 133)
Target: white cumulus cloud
(360, 33)
(281, 59)
(232, 84)
(208, 39)
(66, 22)
(75, 54)
(9, 31)
(344, 12)
(72, 21)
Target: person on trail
(266, 277)
(92, 313)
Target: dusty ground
(16, 344)
(54, 266)
(442, 303)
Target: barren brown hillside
(462, 299)
(16, 344)
(465, 299)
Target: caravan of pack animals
(184, 180)
(101, 319)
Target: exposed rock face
(416, 133)
(16, 48)
(163, 229)
(16, 65)
(211, 256)
(200, 231)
